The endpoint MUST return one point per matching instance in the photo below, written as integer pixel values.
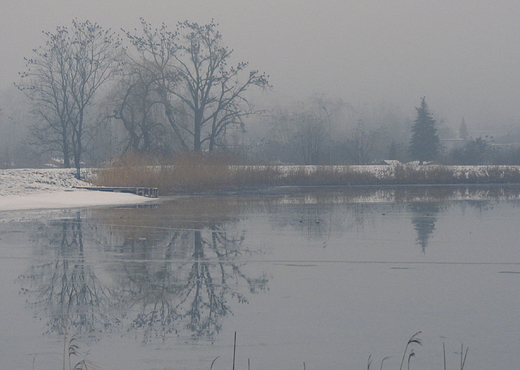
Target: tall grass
(409, 352)
(187, 172)
(130, 170)
(324, 175)
(199, 172)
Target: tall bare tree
(305, 129)
(62, 80)
(153, 55)
(310, 135)
(202, 95)
(360, 144)
(138, 106)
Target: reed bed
(72, 350)
(197, 172)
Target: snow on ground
(388, 171)
(35, 189)
(31, 189)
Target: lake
(307, 278)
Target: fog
(462, 55)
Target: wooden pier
(145, 192)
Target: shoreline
(67, 199)
(56, 189)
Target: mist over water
(322, 276)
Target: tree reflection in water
(65, 287)
(178, 268)
(173, 278)
(423, 221)
(189, 292)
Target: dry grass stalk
(413, 340)
(200, 172)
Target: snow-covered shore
(31, 189)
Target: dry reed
(200, 172)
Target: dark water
(321, 276)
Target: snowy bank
(30, 189)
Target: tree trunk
(197, 133)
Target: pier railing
(143, 191)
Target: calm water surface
(324, 277)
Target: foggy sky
(463, 55)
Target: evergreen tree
(424, 144)
(463, 130)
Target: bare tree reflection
(162, 271)
(64, 285)
(178, 269)
(181, 285)
(187, 293)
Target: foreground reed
(409, 353)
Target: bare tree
(154, 56)
(62, 80)
(138, 106)
(305, 129)
(360, 145)
(202, 96)
(14, 128)
(310, 135)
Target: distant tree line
(92, 94)
(426, 146)
(305, 135)
(320, 130)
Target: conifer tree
(424, 144)
(463, 130)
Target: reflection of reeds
(199, 172)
